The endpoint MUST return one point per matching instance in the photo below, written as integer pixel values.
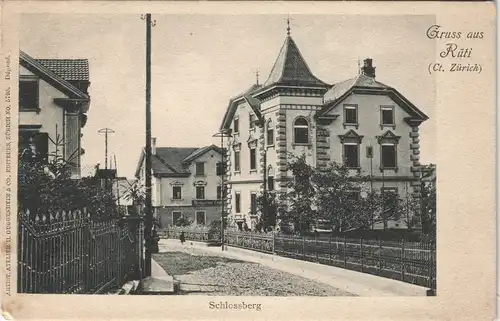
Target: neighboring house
(362, 122)
(184, 183)
(53, 102)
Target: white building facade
(362, 122)
(53, 102)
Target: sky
(200, 61)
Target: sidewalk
(159, 282)
(357, 283)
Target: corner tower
(289, 98)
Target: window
(219, 169)
(200, 218)
(253, 203)
(236, 126)
(252, 121)
(350, 114)
(270, 133)
(28, 94)
(351, 155)
(270, 183)
(237, 161)
(301, 131)
(34, 145)
(237, 203)
(253, 159)
(176, 192)
(200, 168)
(219, 192)
(200, 192)
(175, 217)
(387, 115)
(389, 156)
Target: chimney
(153, 145)
(368, 69)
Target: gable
(35, 68)
(367, 101)
(395, 97)
(236, 102)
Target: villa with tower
(367, 125)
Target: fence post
(345, 252)
(432, 290)
(330, 249)
(274, 243)
(316, 246)
(303, 247)
(361, 252)
(402, 259)
(379, 256)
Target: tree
(45, 185)
(295, 206)
(428, 210)
(137, 195)
(337, 196)
(267, 205)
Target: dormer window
(301, 131)
(351, 115)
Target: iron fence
(69, 252)
(411, 262)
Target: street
(206, 273)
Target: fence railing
(69, 252)
(411, 262)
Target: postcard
(248, 160)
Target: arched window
(270, 133)
(301, 131)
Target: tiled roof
(169, 159)
(55, 79)
(201, 151)
(291, 69)
(68, 69)
(342, 87)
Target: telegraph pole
(106, 131)
(148, 224)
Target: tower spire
(257, 76)
(288, 25)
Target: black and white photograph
(158, 154)
(266, 160)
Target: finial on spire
(288, 25)
(359, 66)
(257, 76)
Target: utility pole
(223, 133)
(148, 224)
(106, 131)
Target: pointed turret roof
(290, 68)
